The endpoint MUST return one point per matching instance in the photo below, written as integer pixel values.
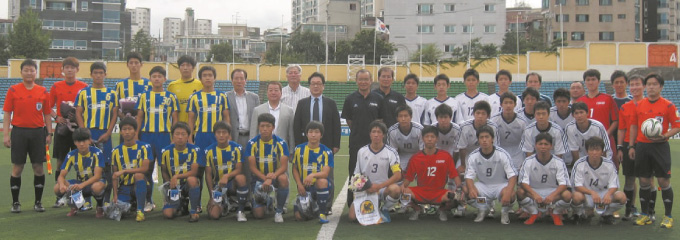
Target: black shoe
(16, 207)
(38, 207)
(609, 219)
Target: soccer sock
(100, 200)
(141, 194)
(612, 208)
(242, 194)
(506, 209)
(149, 189)
(15, 185)
(529, 206)
(578, 209)
(322, 199)
(56, 175)
(667, 196)
(652, 200)
(630, 194)
(350, 197)
(281, 196)
(389, 202)
(194, 194)
(644, 199)
(560, 206)
(39, 184)
(201, 171)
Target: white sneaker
(278, 217)
(148, 207)
(414, 215)
(241, 217)
(460, 212)
(443, 217)
(480, 216)
(505, 218)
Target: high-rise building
(203, 26)
(582, 21)
(140, 19)
(343, 17)
(171, 28)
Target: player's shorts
(653, 159)
(28, 141)
(627, 164)
(204, 139)
(87, 191)
(489, 191)
(428, 195)
(184, 188)
(588, 203)
(545, 192)
(126, 193)
(107, 147)
(157, 141)
(62, 145)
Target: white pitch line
(328, 230)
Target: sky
(265, 14)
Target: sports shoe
(667, 222)
(531, 219)
(285, 210)
(414, 215)
(193, 218)
(385, 215)
(148, 207)
(608, 219)
(86, 207)
(652, 216)
(38, 207)
(278, 217)
(100, 212)
(323, 219)
(241, 217)
(72, 212)
(140, 216)
(617, 215)
(505, 217)
(557, 220)
(460, 212)
(491, 214)
(16, 207)
(643, 220)
(58, 203)
(480, 215)
(443, 216)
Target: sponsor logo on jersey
(97, 106)
(600, 103)
(393, 101)
(38, 106)
(440, 161)
(208, 109)
(372, 104)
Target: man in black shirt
(391, 99)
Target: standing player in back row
(413, 100)
(543, 125)
(133, 86)
(602, 106)
(503, 80)
(561, 115)
(441, 85)
(187, 85)
(511, 128)
(653, 155)
(471, 96)
(637, 89)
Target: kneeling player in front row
(433, 168)
(312, 162)
(596, 183)
(375, 161)
(493, 168)
(223, 174)
(130, 161)
(543, 178)
(179, 168)
(88, 164)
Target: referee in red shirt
(27, 108)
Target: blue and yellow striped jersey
(178, 162)
(84, 164)
(267, 154)
(222, 160)
(208, 107)
(97, 104)
(158, 108)
(311, 160)
(132, 88)
(124, 157)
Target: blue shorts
(157, 141)
(126, 193)
(87, 191)
(108, 146)
(184, 187)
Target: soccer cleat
(100, 212)
(323, 219)
(148, 207)
(278, 217)
(480, 215)
(531, 219)
(557, 220)
(617, 215)
(285, 210)
(443, 216)
(241, 217)
(667, 222)
(72, 212)
(16, 207)
(58, 203)
(505, 217)
(643, 220)
(193, 218)
(385, 215)
(414, 215)
(608, 219)
(652, 217)
(38, 207)
(86, 207)
(460, 212)
(140, 216)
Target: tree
(274, 53)
(430, 54)
(27, 39)
(340, 51)
(222, 53)
(141, 43)
(363, 44)
(532, 40)
(4, 50)
(476, 50)
(308, 45)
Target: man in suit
(242, 104)
(283, 113)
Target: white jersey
(467, 104)
(543, 176)
(559, 141)
(490, 170)
(495, 102)
(429, 118)
(528, 118)
(598, 179)
(510, 135)
(448, 141)
(468, 135)
(406, 144)
(562, 122)
(418, 107)
(576, 139)
(377, 165)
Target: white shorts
(545, 192)
(588, 203)
(490, 192)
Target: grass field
(53, 224)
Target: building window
(605, 2)
(489, 7)
(110, 35)
(606, 18)
(663, 3)
(47, 24)
(450, 28)
(450, 8)
(561, 2)
(425, 28)
(577, 36)
(606, 36)
(64, 44)
(81, 26)
(468, 29)
(663, 34)
(563, 16)
(556, 35)
(110, 16)
(582, 2)
(424, 8)
(449, 48)
(490, 28)
(582, 17)
(621, 16)
(352, 6)
(663, 18)
(34, 5)
(83, 7)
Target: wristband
(619, 147)
(50, 134)
(631, 146)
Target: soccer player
(467, 141)
(511, 129)
(404, 136)
(620, 83)
(596, 182)
(543, 179)
(471, 96)
(267, 156)
(179, 168)
(495, 174)
(576, 90)
(88, 164)
(449, 132)
(135, 85)
(157, 111)
(529, 97)
(602, 106)
(561, 114)
(503, 80)
(131, 162)
(26, 108)
(535, 80)
(542, 125)
(433, 168)
(376, 160)
(312, 163)
(413, 100)
(187, 85)
(391, 99)
(623, 141)
(582, 129)
(441, 85)
(652, 155)
(224, 169)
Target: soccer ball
(651, 128)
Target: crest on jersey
(367, 207)
(38, 106)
